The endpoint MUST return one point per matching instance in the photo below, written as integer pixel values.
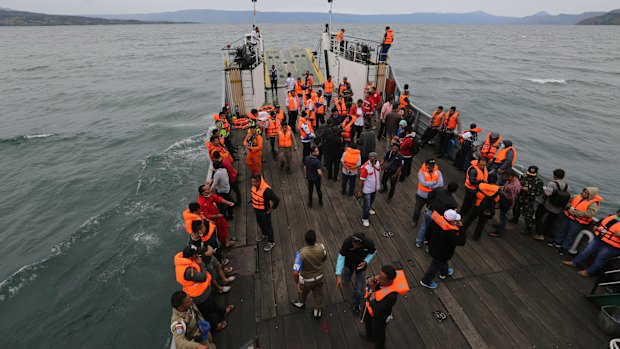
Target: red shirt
(376, 98)
(369, 106)
(232, 173)
(406, 146)
(207, 205)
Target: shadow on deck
(508, 292)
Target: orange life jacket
(608, 231)
(399, 285)
(484, 190)
(481, 175)
(341, 88)
(488, 150)
(274, 126)
(340, 36)
(321, 108)
(303, 133)
(403, 103)
(190, 217)
(328, 87)
(450, 120)
(346, 129)
(258, 201)
(251, 116)
(293, 102)
(473, 131)
(580, 204)
(298, 88)
(351, 158)
(280, 115)
(428, 177)
(442, 222)
(501, 156)
(192, 288)
(389, 37)
(309, 81)
(224, 121)
(436, 119)
(285, 138)
(341, 107)
(212, 148)
(257, 143)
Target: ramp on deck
(296, 60)
(509, 292)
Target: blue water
(102, 147)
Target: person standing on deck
(385, 109)
(392, 118)
(557, 196)
(467, 139)
(605, 245)
(439, 200)
(308, 273)
(290, 82)
(508, 195)
(368, 108)
(306, 132)
(531, 188)
(351, 161)
(299, 88)
(332, 151)
(433, 126)
(293, 106)
(273, 126)
(357, 114)
(273, 76)
(484, 207)
(264, 200)
(340, 40)
(504, 159)
(476, 173)
(381, 293)
(370, 183)
(490, 146)
(253, 144)
(392, 164)
(328, 88)
(388, 39)
(309, 81)
(285, 147)
(577, 217)
(367, 142)
(451, 125)
(356, 253)
(443, 237)
(319, 107)
(429, 178)
(185, 328)
(314, 174)
(407, 150)
(220, 184)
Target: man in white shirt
(370, 184)
(290, 82)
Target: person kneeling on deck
(577, 217)
(484, 207)
(188, 326)
(196, 282)
(264, 200)
(381, 293)
(356, 253)
(443, 237)
(605, 245)
(254, 150)
(370, 184)
(429, 178)
(308, 273)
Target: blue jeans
(503, 217)
(567, 232)
(360, 283)
(368, 200)
(426, 221)
(603, 252)
(436, 266)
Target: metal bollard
(584, 232)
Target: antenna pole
(254, 13)
(331, 5)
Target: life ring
(267, 108)
(241, 124)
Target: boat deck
(509, 292)
(296, 60)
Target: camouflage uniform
(185, 331)
(526, 200)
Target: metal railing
(357, 50)
(242, 54)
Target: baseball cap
(451, 215)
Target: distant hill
(235, 17)
(609, 18)
(21, 18)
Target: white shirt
(360, 117)
(291, 83)
(254, 37)
(371, 182)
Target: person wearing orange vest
(309, 82)
(306, 132)
(222, 123)
(293, 106)
(285, 147)
(444, 235)
(504, 159)
(319, 107)
(388, 39)
(484, 208)
(209, 256)
(309, 110)
(273, 126)
(340, 39)
(382, 291)
(433, 126)
(196, 281)
(577, 216)
(341, 107)
(264, 200)
(491, 145)
(253, 144)
(214, 145)
(467, 139)
(450, 126)
(299, 88)
(404, 99)
(208, 208)
(328, 88)
(429, 178)
(279, 113)
(476, 173)
(351, 161)
(606, 245)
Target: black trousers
(226, 210)
(292, 120)
(272, 142)
(428, 136)
(264, 223)
(356, 130)
(328, 100)
(545, 224)
(459, 159)
(274, 86)
(235, 187)
(320, 119)
(444, 142)
(231, 148)
(311, 186)
(382, 131)
(375, 330)
(406, 171)
(468, 201)
(419, 203)
(332, 166)
(351, 181)
(393, 180)
(212, 312)
(306, 150)
(473, 215)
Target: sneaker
(418, 245)
(432, 285)
(297, 304)
(225, 289)
(550, 244)
(317, 313)
(269, 246)
(365, 223)
(371, 211)
(231, 278)
(538, 237)
(561, 252)
(261, 238)
(557, 245)
(450, 272)
(494, 234)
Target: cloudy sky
(496, 7)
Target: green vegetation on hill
(21, 18)
(609, 18)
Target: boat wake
(548, 81)
(25, 138)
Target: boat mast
(331, 5)
(254, 13)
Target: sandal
(222, 325)
(228, 270)
(229, 309)
(225, 261)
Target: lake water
(102, 148)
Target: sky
(497, 7)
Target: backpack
(487, 206)
(559, 197)
(414, 148)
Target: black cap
(190, 251)
(430, 162)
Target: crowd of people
(339, 138)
